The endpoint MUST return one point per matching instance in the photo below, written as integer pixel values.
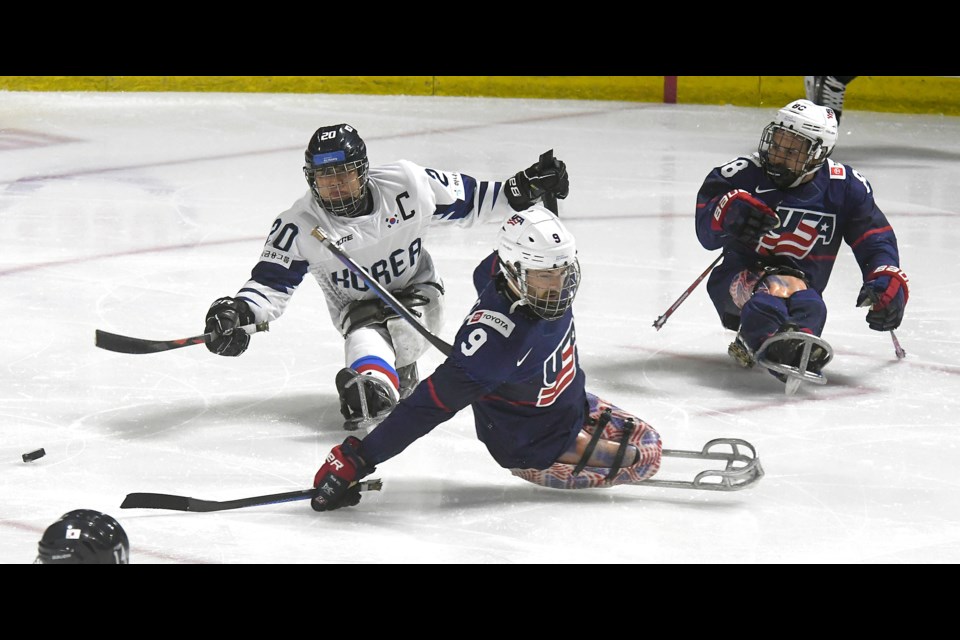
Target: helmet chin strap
(803, 177)
(521, 299)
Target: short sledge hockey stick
(901, 354)
(183, 503)
(126, 344)
(662, 320)
(869, 302)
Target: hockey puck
(33, 455)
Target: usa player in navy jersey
(514, 361)
(780, 216)
(380, 216)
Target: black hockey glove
(526, 187)
(886, 291)
(336, 481)
(223, 317)
(743, 217)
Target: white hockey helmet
(538, 257)
(808, 123)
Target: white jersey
(389, 243)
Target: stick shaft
(185, 503)
(384, 295)
(901, 354)
(662, 320)
(128, 344)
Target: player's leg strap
(781, 281)
(628, 428)
(605, 416)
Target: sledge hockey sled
(793, 375)
(741, 469)
(356, 393)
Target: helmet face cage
(84, 536)
(336, 169)
(797, 142)
(538, 258)
(788, 157)
(546, 292)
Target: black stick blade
(126, 344)
(183, 503)
(155, 501)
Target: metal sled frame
(366, 420)
(798, 374)
(742, 468)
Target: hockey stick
(901, 354)
(126, 344)
(384, 295)
(662, 320)
(549, 200)
(183, 503)
(869, 302)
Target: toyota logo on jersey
(559, 370)
(797, 242)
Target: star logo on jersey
(559, 370)
(798, 233)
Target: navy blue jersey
(837, 205)
(520, 374)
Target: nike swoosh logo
(520, 361)
(759, 190)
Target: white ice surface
(131, 212)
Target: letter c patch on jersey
(498, 321)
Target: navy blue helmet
(336, 168)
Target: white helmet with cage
(538, 258)
(814, 130)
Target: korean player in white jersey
(515, 363)
(379, 216)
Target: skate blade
(791, 386)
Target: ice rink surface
(131, 213)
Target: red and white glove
(886, 289)
(743, 217)
(336, 481)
